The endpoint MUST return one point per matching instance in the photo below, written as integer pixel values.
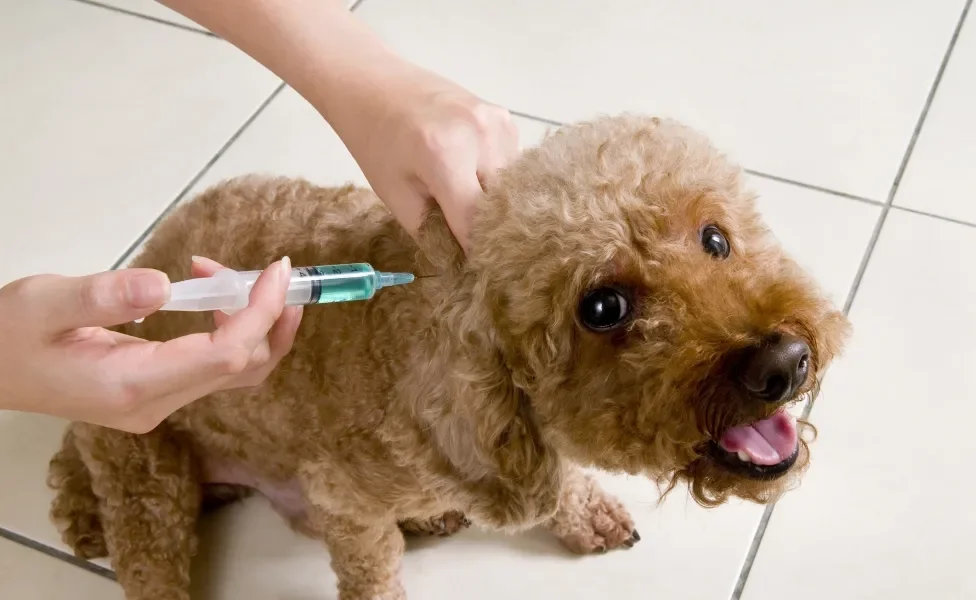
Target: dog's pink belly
(286, 496)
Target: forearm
(316, 46)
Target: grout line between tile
(922, 213)
(139, 15)
(179, 197)
(889, 202)
(160, 21)
(740, 584)
(816, 188)
(57, 554)
(862, 268)
(866, 258)
(535, 118)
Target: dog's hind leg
(148, 501)
(74, 509)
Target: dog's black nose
(775, 370)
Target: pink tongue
(766, 442)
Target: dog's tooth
(743, 456)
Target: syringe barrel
(324, 284)
(335, 283)
(230, 291)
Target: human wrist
(338, 89)
(370, 108)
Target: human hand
(420, 138)
(56, 358)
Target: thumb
(101, 300)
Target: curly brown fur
(148, 497)
(74, 511)
(478, 391)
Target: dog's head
(624, 297)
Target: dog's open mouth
(762, 450)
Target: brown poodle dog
(622, 307)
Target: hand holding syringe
(229, 290)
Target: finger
(272, 349)
(282, 335)
(268, 355)
(408, 205)
(259, 360)
(202, 363)
(117, 338)
(458, 192)
(262, 362)
(500, 148)
(220, 318)
(102, 300)
(247, 328)
(165, 376)
(277, 344)
(270, 352)
(201, 266)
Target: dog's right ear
(438, 251)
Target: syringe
(228, 290)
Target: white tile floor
(28, 574)
(106, 117)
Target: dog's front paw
(396, 594)
(591, 521)
(444, 525)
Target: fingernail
(285, 271)
(196, 259)
(147, 290)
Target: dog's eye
(714, 242)
(604, 309)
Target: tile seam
(144, 17)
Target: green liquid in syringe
(338, 283)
